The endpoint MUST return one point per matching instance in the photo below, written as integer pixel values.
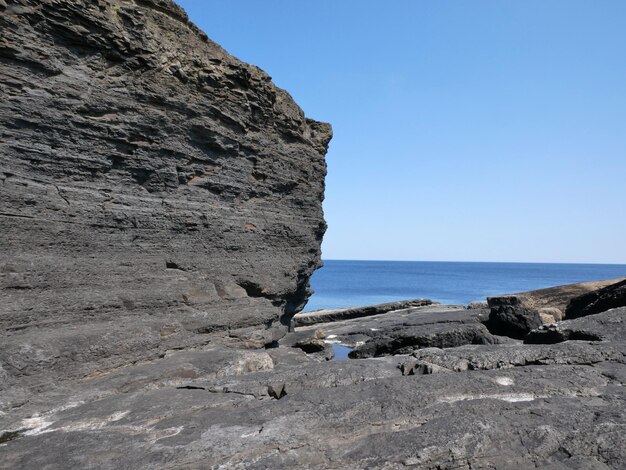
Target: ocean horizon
(348, 283)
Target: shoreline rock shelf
(328, 315)
(547, 405)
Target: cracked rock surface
(485, 406)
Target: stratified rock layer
(153, 188)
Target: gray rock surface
(470, 406)
(597, 301)
(153, 189)
(497, 406)
(505, 356)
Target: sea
(342, 283)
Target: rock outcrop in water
(153, 188)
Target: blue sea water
(355, 283)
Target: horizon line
(478, 262)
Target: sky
(481, 130)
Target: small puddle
(341, 352)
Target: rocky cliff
(153, 188)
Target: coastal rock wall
(153, 188)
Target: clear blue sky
(482, 130)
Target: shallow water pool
(341, 352)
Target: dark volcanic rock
(508, 317)
(505, 356)
(315, 344)
(442, 334)
(597, 301)
(153, 188)
(609, 325)
(515, 315)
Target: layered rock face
(153, 188)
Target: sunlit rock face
(153, 188)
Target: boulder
(510, 316)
